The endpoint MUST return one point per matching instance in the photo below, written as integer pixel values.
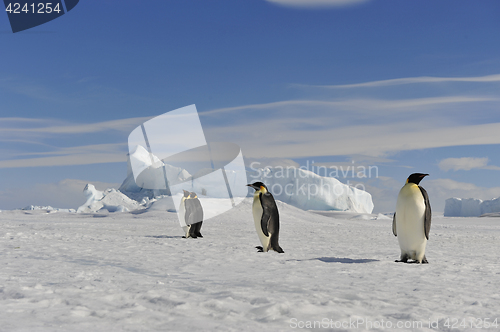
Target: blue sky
(404, 86)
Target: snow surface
(470, 207)
(132, 271)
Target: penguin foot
(424, 261)
(279, 250)
(404, 258)
(199, 235)
(260, 249)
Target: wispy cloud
(364, 125)
(45, 142)
(78, 155)
(69, 160)
(361, 105)
(466, 164)
(280, 139)
(46, 126)
(317, 3)
(409, 80)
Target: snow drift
(470, 207)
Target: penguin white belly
(257, 217)
(182, 216)
(410, 215)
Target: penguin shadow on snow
(341, 260)
(345, 260)
(164, 236)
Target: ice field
(132, 271)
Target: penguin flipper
(266, 214)
(394, 225)
(428, 212)
(270, 216)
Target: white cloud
(410, 80)
(462, 163)
(46, 139)
(466, 164)
(317, 3)
(17, 126)
(362, 105)
(69, 160)
(80, 155)
(292, 136)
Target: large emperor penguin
(266, 218)
(192, 212)
(412, 220)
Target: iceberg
(110, 200)
(470, 207)
(308, 191)
(295, 186)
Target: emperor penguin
(193, 215)
(182, 212)
(412, 220)
(266, 218)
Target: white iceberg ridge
(470, 207)
(309, 191)
(110, 200)
(298, 187)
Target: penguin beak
(252, 186)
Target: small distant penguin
(266, 218)
(412, 220)
(193, 215)
(182, 212)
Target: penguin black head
(186, 193)
(258, 186)
(192, 195)
(416, 178)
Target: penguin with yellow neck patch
(412, 221)
(266, 218)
